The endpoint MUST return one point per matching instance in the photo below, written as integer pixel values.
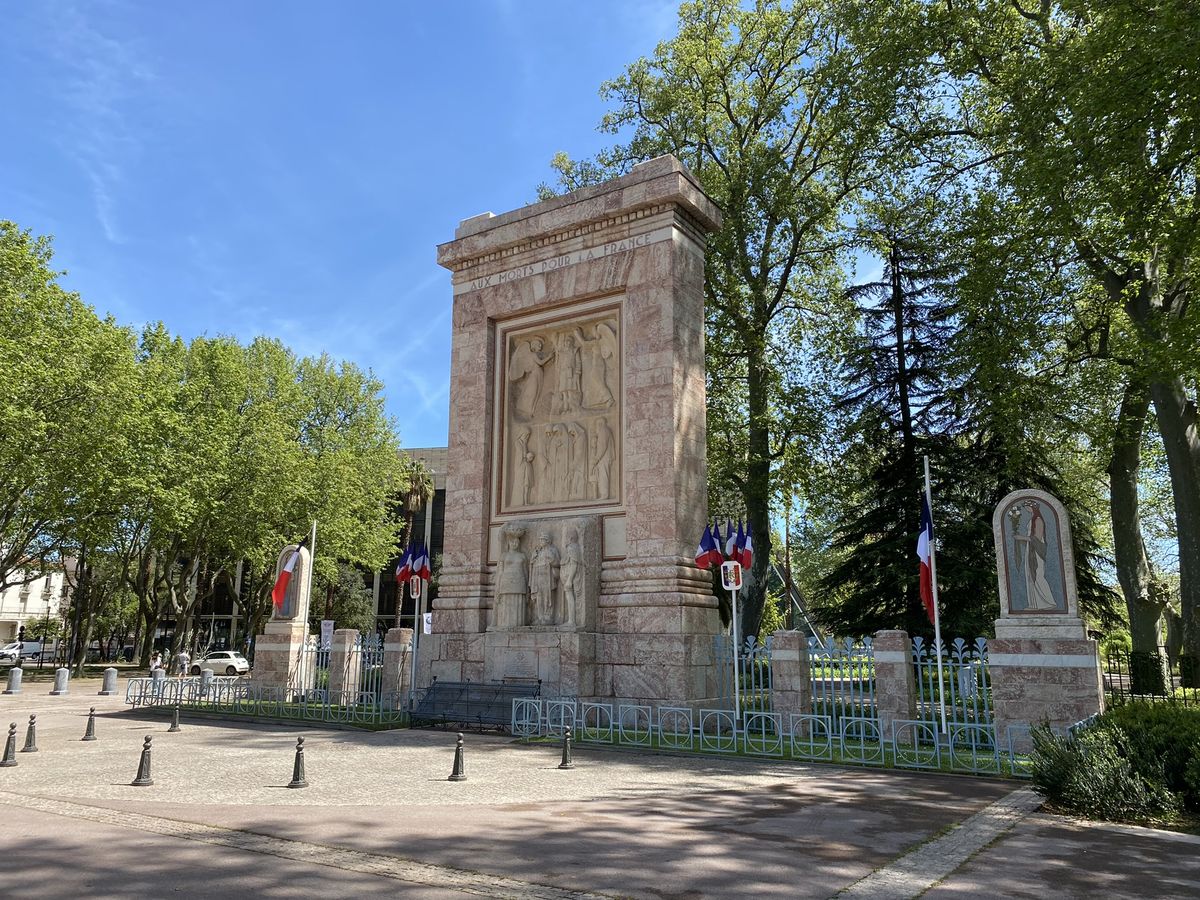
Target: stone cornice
(651, 189)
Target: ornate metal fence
(965, 678)
(1148, 677)
(324, 687)
(843, 739)
(754, 672)
(842, 676)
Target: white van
(27, 650)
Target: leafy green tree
(351, 604)
(1087, 116)
(67, 382)
(762, 103)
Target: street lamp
(45, 636)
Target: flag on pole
(745, 546)
(707, 551)
(718, 544)
(924, 553)
(404, 567)
(279, 592)
(730, 540)
(420, 562)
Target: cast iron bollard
(90, 733)
(174, 720)
(567, 762)
(10, 747)
(61, 676)
(109, 687)
(298, 780)
(31, 736)
(460, 772)
(15, 674)
(143, 776)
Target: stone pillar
(278, 651)
(577, 389)
(206, 677)
(14, 680)
(61, 677)
(345, 667)
(895, 682)
(277, 655)
(397, 666)
(109, 687)
(1043, 667)
(791, 684)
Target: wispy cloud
(105, 77)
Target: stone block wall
(895, 682)
(1054, 681)
(791, 685)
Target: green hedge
(1137, 761)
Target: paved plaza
(380, 818)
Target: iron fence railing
(965, 683)
(851, 740)
(1148, 677)
(842, 678)
(754, 672)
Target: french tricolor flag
(279, 592)
(924, 553)
(745, 546)
(420, 562)
(707, 552)
(404, 567)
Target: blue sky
(288, 168)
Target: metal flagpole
(312, 558)
(937, 617)
(737, 688)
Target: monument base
(1040, 679)
(277, 654)
(644, 654)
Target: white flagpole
(937, 618)
(737, 687)
(312, 558)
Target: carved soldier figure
(569, 371)
(512, 582)
(525, 458)
(544, 579)
(554, 464)
(572, 576)
(577, 467)
(602, 460)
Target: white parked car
(222, 662)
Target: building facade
(39, 601)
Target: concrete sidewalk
(380, 815)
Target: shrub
(1163, 744)
(1091, 774)
(1137, 761)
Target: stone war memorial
(1044, 666)
(576, 480)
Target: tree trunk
(757, 493)
(1180, 430)
(908, 445)
(1134, 570)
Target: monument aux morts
(575, 490)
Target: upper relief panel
(560, 391)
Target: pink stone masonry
(635, 244)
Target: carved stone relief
(561, 414)
(547, 574)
